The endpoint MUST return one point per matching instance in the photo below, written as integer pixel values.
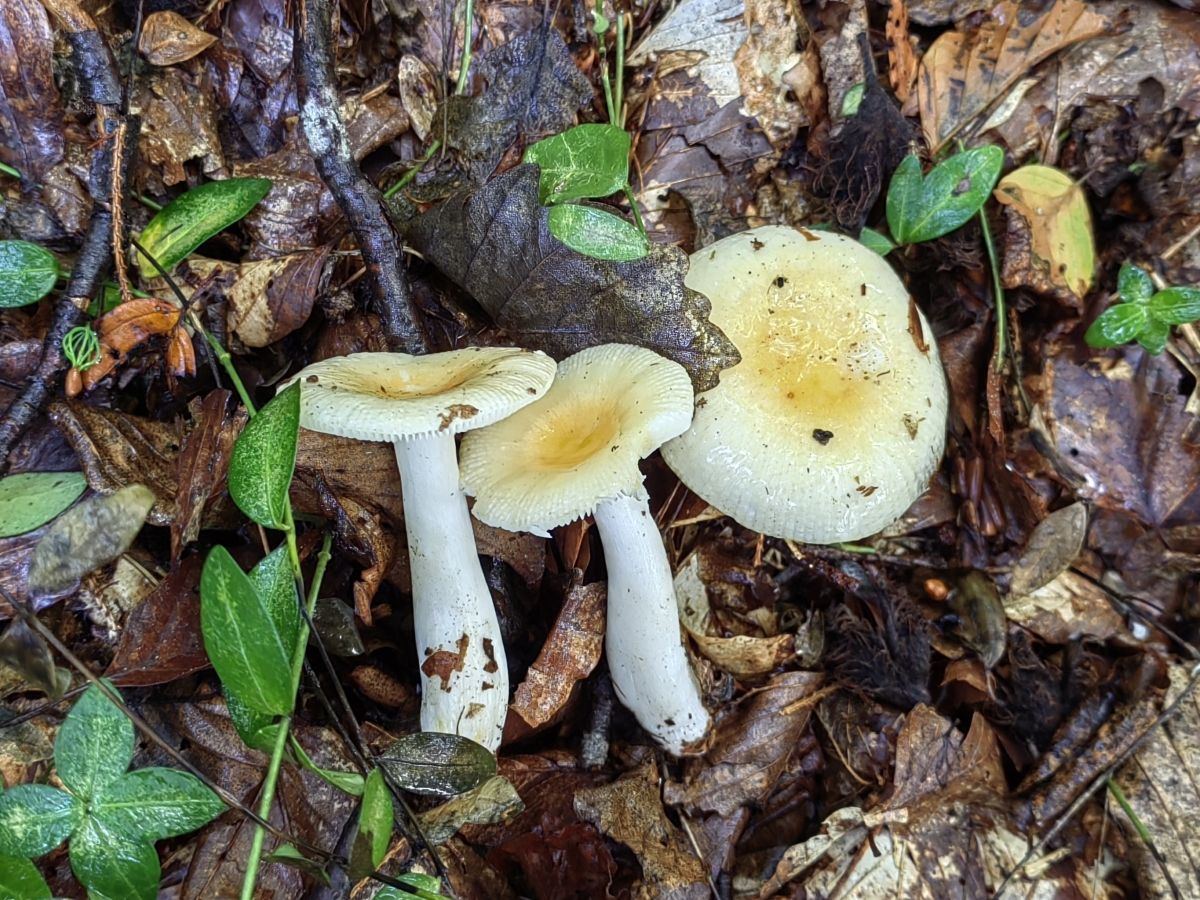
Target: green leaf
(1176, 305)
(36, 818)
(375, 821)
(27, 273)
(275, 582)
(1154, 336)
(32, 499)
(584, 161)
(597, 233)
(1134, 284)
(240, 637)
(1117, 325)
(21, 878)
(438, 765)
(112, 865)
(424, 887)
(347, 782)
(256, 729)
(877, 241)
(852, 99)
(94, 746)
(87, 536)
(192, 218)
(260, 469)
(155, 803)
(921, 209)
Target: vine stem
(285, 722)
(998, 292)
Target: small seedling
(111, 817)
(81, 347)
(1143, 314)
(923, 208)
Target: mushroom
(575, 452)
(835, 419)
(419, 403)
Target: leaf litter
(908, 717)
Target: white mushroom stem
(649, 667)
(464, 675)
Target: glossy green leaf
(584, 161)
(155, 803)
(192, 218)
(422, 887)
(347, 782)
(921, 209)
(1134, 284)
(27, 273)
(36, 818)
(21, 878)
(112, 865)
(852, 99)
(877, 241)
(376, 819)
(94, 746)
(32, 499)
(1176, 305)
(256, 729)
(437, 765)
(264, 457)
(1154, 336)
(1118, 325)
(597, 233)
(87, 536)
(240, 637)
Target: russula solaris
(835, 419)
(575, 452)
(418, 404)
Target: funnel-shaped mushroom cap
(390, 396)
(553, 461)
(834, 420)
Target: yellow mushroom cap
(835, 419)
(391, 396)
(553, 461)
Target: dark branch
(359, 200)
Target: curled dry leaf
(201, 466)
(87, 536)
(130, 325)
(1064, 609)
(418, 93)
(271, 298)
(1053, 546)
(496, 244)
(494, 801)
(964, 72)
(571, 652)
(168, 38)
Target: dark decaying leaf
(202, 464)
(31, 137)
(87, 536)
(273, 297)
(493, 801)
(1053, 546)
(534, 89)
(438, 765)
(161, 638)
(29, 654)
(495, 243)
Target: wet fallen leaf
(201, 466)
(127, 327)
(437, 765)
(981, 622)
(418, 93)
(168, 38)
(491, 802)
(23, 649)
(1050, 221)
(179, 126)
(534, 90)
(161, 638)
(630, 811)
(116, 449)
(1066, 607)
(271, 298)
(32, 499)
(570, 653)
(31, 127)
(963, 72)
(496, 245)
(1053, 546)
(87, 536)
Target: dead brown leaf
(752, 743)
(1053, 546)
(570, 653)
(179, 124)
(161, 638)
(902, 63)
(271, 298)
(1067, 607)
(630, 811)
(168, 38)
(31, 128)
(201, 466)
(127, 327)
(963, 72)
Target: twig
(359, 200)
(98, 79)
